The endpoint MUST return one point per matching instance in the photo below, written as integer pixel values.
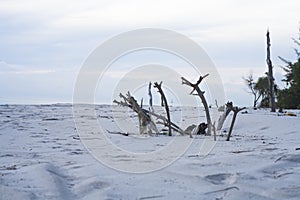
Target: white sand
(41, 157)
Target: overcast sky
(43, 44)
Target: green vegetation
(262, 86)
(290, 96)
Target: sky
(43, 44)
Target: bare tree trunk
(235, 110)
(164, 103)
(202, 97)
(270, 75)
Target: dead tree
(202, 97)
(251, 85)
(235, 112)
(270, 74)
(165, 104)
(144, 118)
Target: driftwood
(200, 93)
(145, 121)
(151, 105)
(165, 122)
(235, 110)
(214, 130)
(189, 130)
(201, 128)
(118, 132)
(222, 118)
(164, 103)
(150, 97)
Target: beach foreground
(42, 157)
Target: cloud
(20, 84)
(6, 68)
(210, 22)
(123, 15)
(62, 33)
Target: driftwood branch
(144, 118)
(235, 110)
(172, 127)
(165, 104)
(145, 115)
(222, 118)
(166, 122)
(214, 130)
(150, 97)
(200, 93)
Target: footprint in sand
(221, 179)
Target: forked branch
(200, 93)
(235, 110)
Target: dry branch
(144, 119)
(164, 103)
(200, 93)
(150, 97)
(145, 116)
(214, 130)
(166, 123)
(222, 118)
(235, 112)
